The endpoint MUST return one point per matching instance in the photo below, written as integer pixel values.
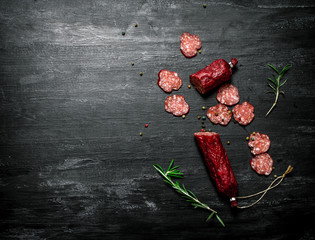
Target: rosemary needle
(276, 84)
(189, 195)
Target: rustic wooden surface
(72, 163)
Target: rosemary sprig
(276, 83)
(187, 194)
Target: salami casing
(217, 162)
(213, 75)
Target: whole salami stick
(212, 75)
(218, 164)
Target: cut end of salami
(243, 113)
(176, 105)
(211, 76)
(259, 143)
(189, 44)
(228, 94)
(262, 164)
(219, 114)
(169, 81)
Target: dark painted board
(72, 163)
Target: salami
(218, 165)
(189, 44)
(228, 94)
(213, 75)
(259, 143)
(262, 164)
(176, 105)
(169, 81)
(243, 113)
(219, 114)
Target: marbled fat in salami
(169, 81)
(189, 44)
(228, 94)
(176, 105)
(262, 164)
(219, 114)
(259, 143)
(243, 113)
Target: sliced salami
(244, 113)
(228, 94)
(219, 114)
(262, 164)
(259, 143)
(189, 44)
(176, 105)
(169, 81)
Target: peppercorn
(203, 108)
(247, 138)
(203, 118)
(183, 116)
(228, 142)
(140, 133)
(229, 112)
(146, 125)
(141, 73)
(204, 5)
(275, 176)
(198, 117)
(254, 133)
(189, 86)
(253, 139)
(199, 51)
(136, 25)
(217, 114)
(132, 63)
(273, 167)
(123, 33)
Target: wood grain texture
(72, 163)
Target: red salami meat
(243, 113)
(217, 162)
(219, 114)
(259, 143)
(262, 164)
(213, 75)
(228, 94)
(169, 81)
(189, 44)
(176, 105)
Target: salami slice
(169, 81)
(176, 105)
(189, 44)
(243, 113)
(259, 143)
(219, 114)
(262, 164)
(228, 94)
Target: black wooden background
(72, 163)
